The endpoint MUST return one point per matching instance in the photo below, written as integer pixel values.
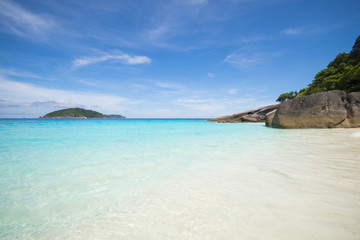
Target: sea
(176, 179)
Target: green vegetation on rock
(343, 73)
(74, 113)
(287, 96)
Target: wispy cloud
(22, 22)
(186, 101)
(51, 104)
(213, 105)
(8, 104)
(204, 105)
(139, 86)
(170, 85)
(304, 30)
(45, 104)
(233, 91)
(157, 32)
(242, 60)
(22, 74)
(251, 39)
(195, 2)
(35, 96)
(88, 83)
(121, 57)
(210, 75)
(292, 31)
(244, 1)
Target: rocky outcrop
(353, 100)
(269, 117)
(256, 115)
(321, 110)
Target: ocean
(176, 179)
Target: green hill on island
(74, 113)
(115, 116)
(343, 73)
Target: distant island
(115, 116)
(79, 113)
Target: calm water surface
(176, 179)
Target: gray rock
(353, 108)
(269, 117)
(321, 110)
(255, 115)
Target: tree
(343, 73)
(287, 96)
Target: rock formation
(353, 100)
(256, 115)
(269, 117)
(321, 110)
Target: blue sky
(189, 58)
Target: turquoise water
(176, 179)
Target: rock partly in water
(256, 115)
(320, 110)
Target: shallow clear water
(176, 179)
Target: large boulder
(321, 110)
(353, 108)
(269, 117)
(255, 115)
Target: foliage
(343, 73)
(74, 113)
(287, 96)
(115, 116)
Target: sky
(165, 59)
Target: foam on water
(176, 179)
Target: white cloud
(122, 57)
(191, 101)
(88, 83)
(17, 73)
(244, 1)
(249, 39)
(27, 95)
(292, 31)
(169, 85)
(136, 85)
(50, 104)
(46, 104)
(211, 75)
(233, 91)
(244, 60)
(203, 105)
(304, 30)
(8, 104)
(156, 33)
(213, 106)
(195, 2)
(21, 22)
